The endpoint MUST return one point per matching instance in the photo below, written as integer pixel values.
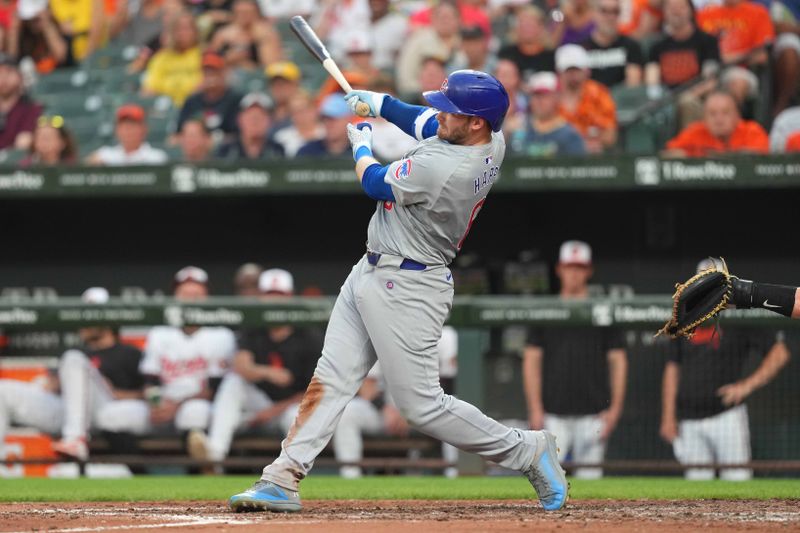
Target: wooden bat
(310, 40)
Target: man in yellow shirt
(175, 70)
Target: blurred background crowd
(116, 82)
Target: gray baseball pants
(396, 316)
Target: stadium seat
(64, 80)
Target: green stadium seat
(61, 81)
(9, 156)
(114, 55)
(628, 101)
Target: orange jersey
(697, 141)
(633, 19)
(740, 28)
(793, 142)
(595, 109)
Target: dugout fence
(493, 331)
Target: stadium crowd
(151, 81)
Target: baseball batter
(394, 303)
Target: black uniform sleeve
(535, 337)
(675, 350)
(245, 340)
(615, 339)
(709, 50)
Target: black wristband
(742, 296)
(379, 402)
(775, 298)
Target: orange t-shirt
(638, 8)
(596, 109)
(793, 142)
(697, 141)
(740, 28)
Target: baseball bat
(310, 40)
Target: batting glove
(373, 100)
(360, 137)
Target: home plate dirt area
(350, 516)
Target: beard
(454, 135)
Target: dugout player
(703, 389)
(183, 365)
(271, 369)
(575, 377)
(97, 386)
(393, 304)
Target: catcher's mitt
(700, 298)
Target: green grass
(156, 488)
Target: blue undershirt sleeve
(417, 121)
(373, 184)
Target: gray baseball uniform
(396, 315)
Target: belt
(407, 264)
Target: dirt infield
(398, 515)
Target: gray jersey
(439, 189)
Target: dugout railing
(633, 448)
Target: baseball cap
(358, 42)
(575, 253)
(259, 99)
(283, 69)
(709, 262)
(213, 60)
(130, 112)
(95, 295)
(571, 56)
(28, 9)
(543, 82)
(191, 273)
(276, 280)
(334, 106)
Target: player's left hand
(360, 135)
(734, 393)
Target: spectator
(575, 378)
(333, 22)
(721, 131)
(785, 128)
(253, 142)
(786, 70)
(133, 149)
(387, 30)
(642, 20)
(613, 58)
(441, 39)
(585, 103)
(272, 368)
(175, 70)
(578, 22)
(170, 11)
(249, 40)
(682, 56)
(546, 133)
(474, 53)
(431, 76)
(335, 115)
(284, 9)
(184, 366)
(744, 30)
(33, 33)
(216, 102)
(507, 73)
(358, 47)
(52, 145)
(304, 126)
(103, 369)
(18, 113)
(283, 81)
(137, 23)
(82, 22)
(530, 50)
(703, 389)
(245, 281)
(195, 141)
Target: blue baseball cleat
(266, 496)
(546, 475)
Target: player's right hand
(372, 99)
(669, 429)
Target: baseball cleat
(546, 475)
(75, 448)
(266, 496)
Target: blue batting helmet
(474, 93)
